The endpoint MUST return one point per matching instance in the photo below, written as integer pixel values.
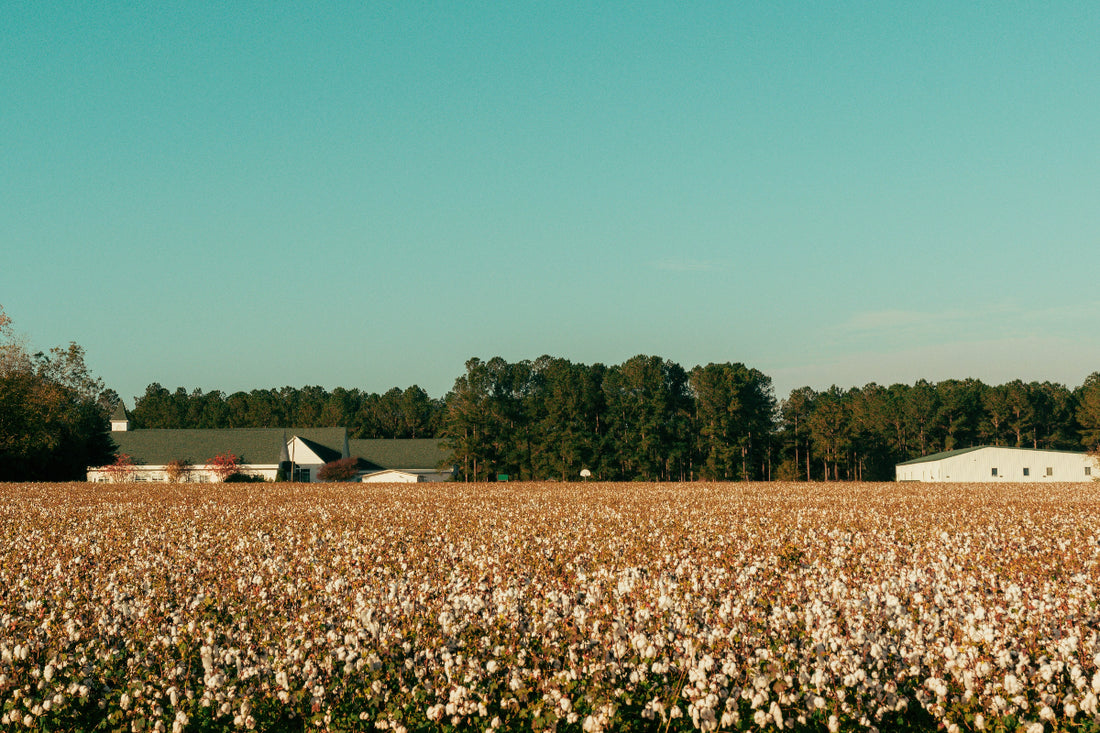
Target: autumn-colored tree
(52, 425)
(177, 471)
(224, 465)
(122, 469)
(343, 469)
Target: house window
(301, 474)
(1088, 470)
(1027, 471)
(1050, 470)
(994, 471)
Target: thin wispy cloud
(958, 322)
(997, 320)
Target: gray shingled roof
(264, 446)
(409, 453)
(258, 446)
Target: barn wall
(977, 466)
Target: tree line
(550, 418)
(397, 413)
(650, 419)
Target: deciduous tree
(342, 469)
(224, 465)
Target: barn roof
(408, 453)
(952, 453)
(943, 454)
(256, 446)
(266, 446)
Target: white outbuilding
(994, 463)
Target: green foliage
(243, 478)
(52, 424)
(734, 414)
(1088, 411)
(408, 413)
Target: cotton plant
(593, 607)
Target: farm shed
(392, 476)
(995, 463)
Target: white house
(261, 452)
(994, 463)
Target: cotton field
(586, 607)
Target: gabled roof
(959, 452)
(119, 414)
(408, 453)
(941, 455)
(256, 446)
(324, 452)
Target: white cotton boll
(1070, 710)
(47, 673)
(1046, 713)
(760, 718)
(834, 724)
(776, 714)
(979, 722)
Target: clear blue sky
(241, 195)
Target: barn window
(994, 470)
(1027, 471)
(1050, 470)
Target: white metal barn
(393, 476)
(993, 463)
